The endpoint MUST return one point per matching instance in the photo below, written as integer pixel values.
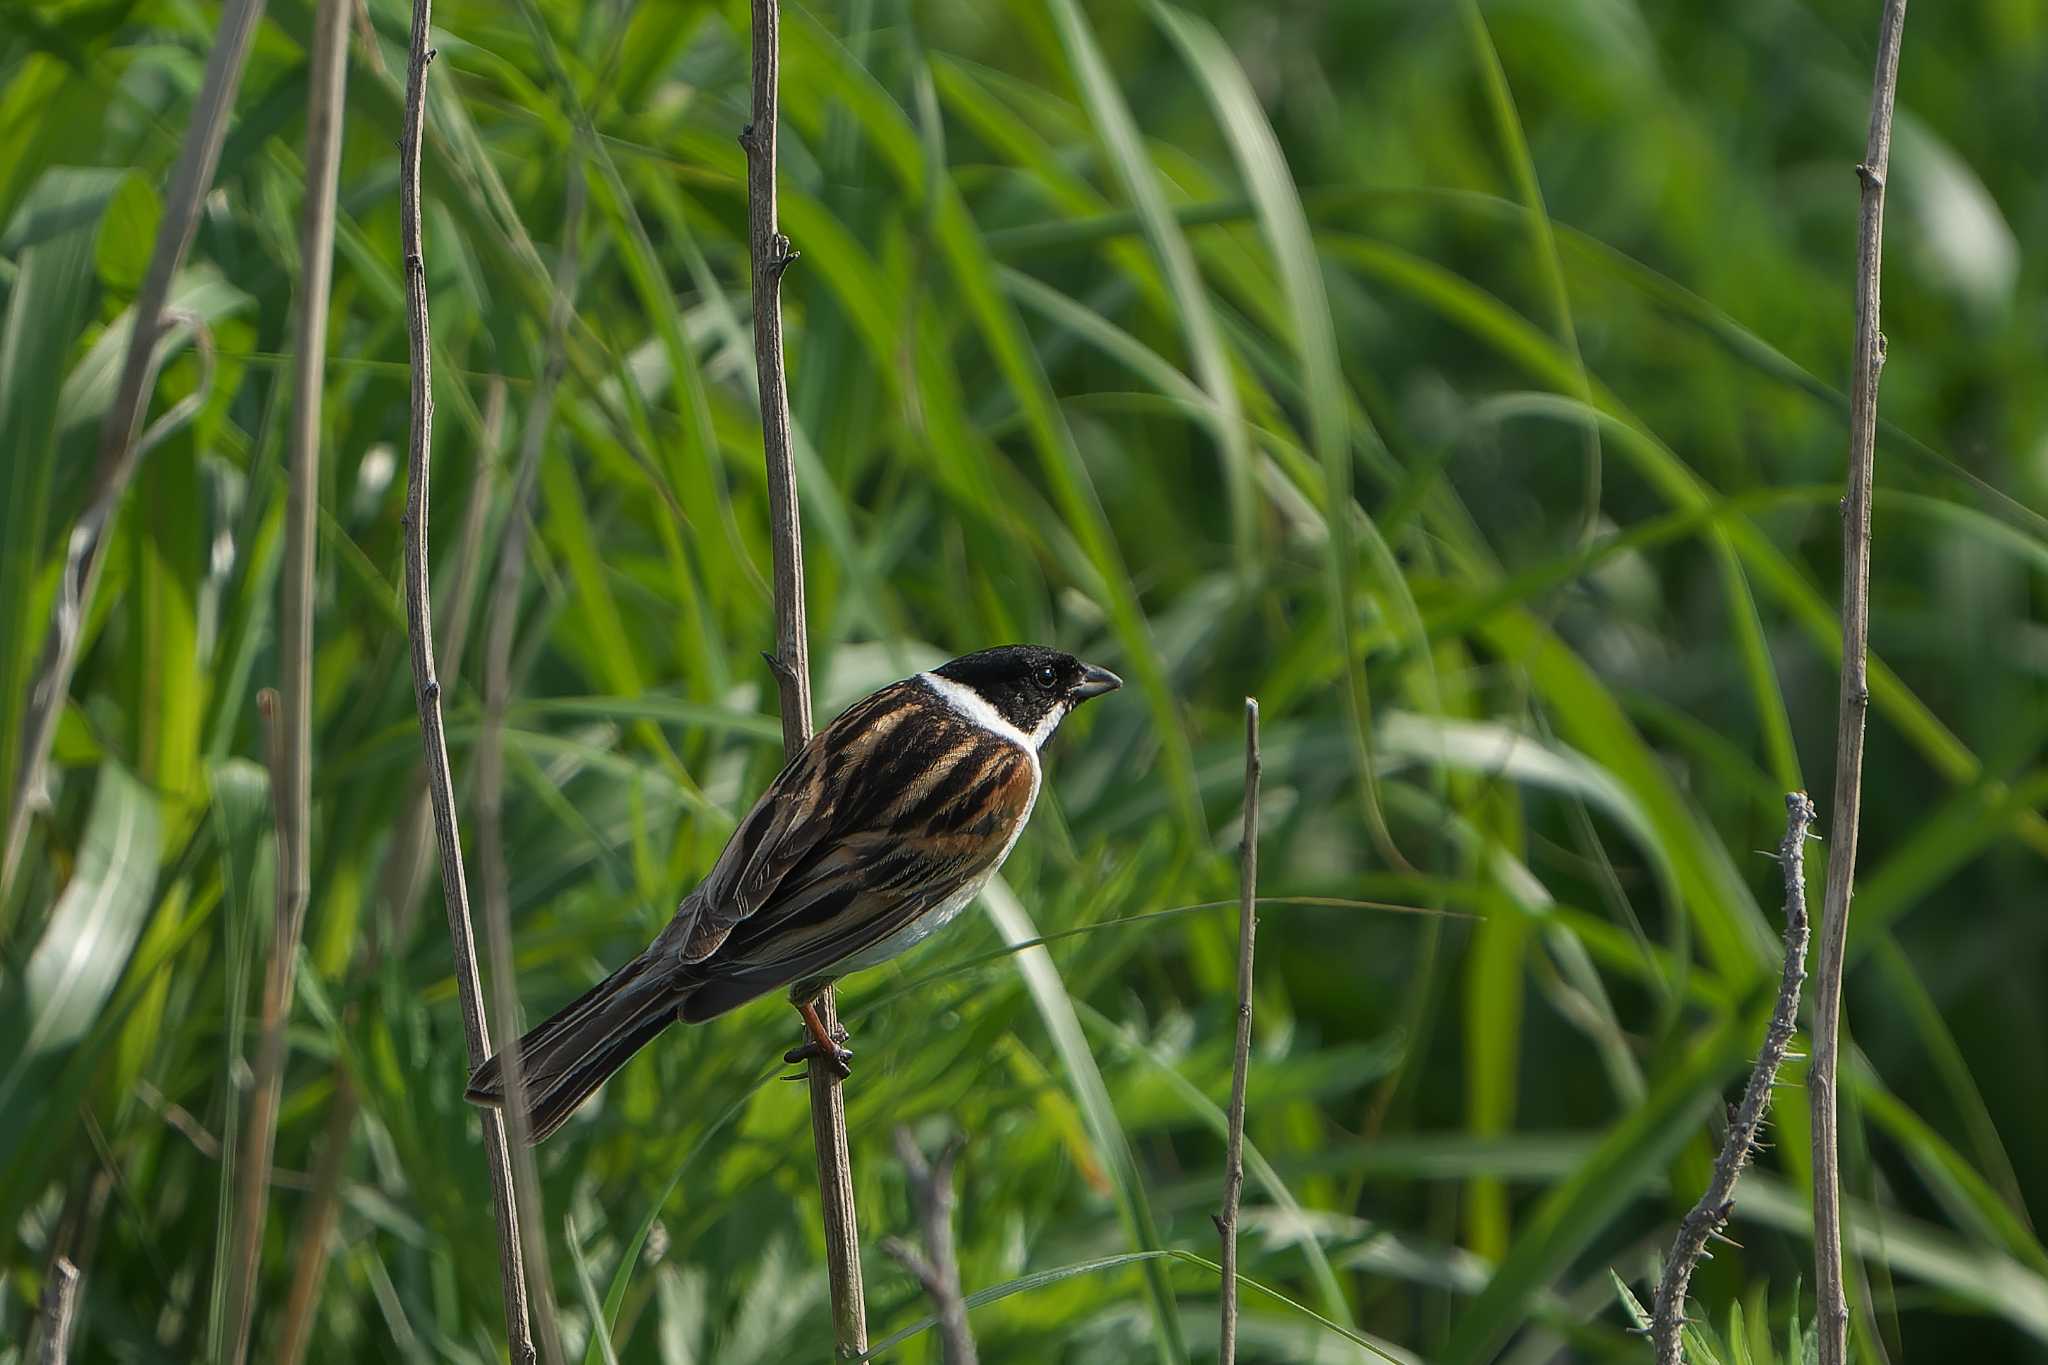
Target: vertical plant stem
(937, 1267)
(427, 688)
(1710, 1214)
(292, 772)
(1507, 121)
(316, 1225)
(1247, 931)
(835, 1195)
(1832, 1308)
(253, 1183)
(772, 255)
(400, 876)
(72, 1240)
(324, 117)
(60, 1303)
(405, 863)
(119, 449)
(500, 619)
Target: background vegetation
(1466, 386)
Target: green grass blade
(45, 309)
(820, 58)
(1212, 1116)
(1632, 1154)
(1056, 1010)
(1500, 100)
(240, 822)
(1284, 221)
(1141, 182)
(1023, 1284)
(1986, 1279)
(54, 1020)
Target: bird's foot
(823, 1045)
(839, 1055)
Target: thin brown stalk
(500, 620)
(1710, 1214)
(1247, 931)
(835, 1195)
(1832, 1303)
(119, 449)
(72, 1240)
(366, 34)
(771, 256)
(403, 871)
(405, 863)
(291, 775)
(427, 688)
(316, 1225)
(252, 1190)
(937, 1267)
(60, 1303)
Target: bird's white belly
(915, 932)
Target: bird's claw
(841, 1056)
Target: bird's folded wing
(789, 823)
(857, 838)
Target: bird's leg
(829, 1045)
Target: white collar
(975, 707)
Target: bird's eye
(1047, 677)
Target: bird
(880, 829)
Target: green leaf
(1715, 895)
(1633, 1154)
(600, 1336)
(241, 820)
(1141, 182)
(127, 234)
(1261, 1170)
(53, 1017)
(1738, 1337)
(46, 307)
(94, 924)
(1630, 1304)
(1500, 99)
(199, 290)
(1283, 220)
(813, 54)
(1056, 1010)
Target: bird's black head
(1030, 686)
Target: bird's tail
(567, 1057)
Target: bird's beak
(1096, 681)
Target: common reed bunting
(881, 829)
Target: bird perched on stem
(881, 829)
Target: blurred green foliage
(1464, 382)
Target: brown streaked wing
(869, 883)
(787, 825)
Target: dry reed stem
(60, 1304)
(427, 688)
(1710, 1214)
(937, 1267)
(402, 872)
(1247, 931)
(315, 1229)
(1832, 1304)
(772, 255)
(291, 792)
(500, 620)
